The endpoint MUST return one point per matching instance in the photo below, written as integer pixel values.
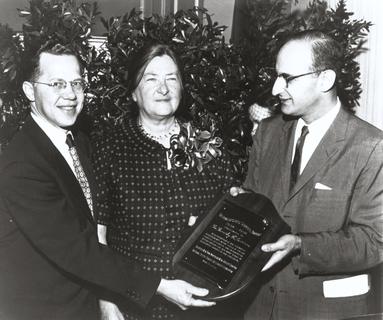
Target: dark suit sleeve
(33, 198)
(358, 244)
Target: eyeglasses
(288, 78)
(270, 74)
(59, 86)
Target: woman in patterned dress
(145, 203)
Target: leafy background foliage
(268, 25)
(46, 22)
(12, 99)
(215, 81)
(221, 79)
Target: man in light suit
(51, 264)
(335, 204)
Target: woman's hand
(235, 191)
(101, 233)
(109, 311)
(183, 294)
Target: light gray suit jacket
(341, 227)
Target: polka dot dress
(146, 206)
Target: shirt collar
(324, 122)
(56, 134)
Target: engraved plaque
(223, 253)
(225, 244)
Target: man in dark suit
(326, 182)
(51, 264)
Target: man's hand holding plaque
(281, 248)
(223, 254)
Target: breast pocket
(327, 210)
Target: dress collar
(139, 139)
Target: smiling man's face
(60, 108)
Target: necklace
(162, 138)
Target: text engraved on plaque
(225, 244)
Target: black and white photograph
(191, 160)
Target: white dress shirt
(58, 137)
(317, 129)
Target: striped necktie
(80, 174)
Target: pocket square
(320, 186)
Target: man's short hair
(32, 66)
(326, 52)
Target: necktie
(80, 175)
(296, 166)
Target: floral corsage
(194, 147)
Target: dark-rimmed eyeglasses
(59, 86)
(287, 78)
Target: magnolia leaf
(204, 147)
(177, 40)
(204, 135)
(24, 13)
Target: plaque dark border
(226, 267)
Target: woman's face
(159, 92)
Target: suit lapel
(59, 166)
(286, 142)
(326, 149)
